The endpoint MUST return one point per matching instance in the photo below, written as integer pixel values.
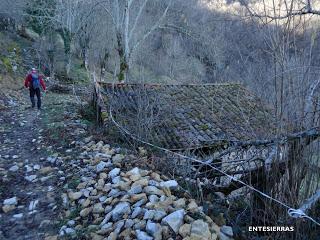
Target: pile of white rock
(115, 202)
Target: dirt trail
(26, 175)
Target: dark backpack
(35, 81)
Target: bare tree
(126, 17)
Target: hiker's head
(34, 70)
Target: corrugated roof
(189, 116)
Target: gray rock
(106, 219)
(135, 190)
(108, 209)
(154, 183)
(154, 229)
(106, 226)
(102, 165)
(159, 214)
(140, 225)
(227, 230)
(120, 209)
(117, 158)
(129, 223)
(149, 214)
(116, 180)
(113, 192)
(142, 235)
(118, 226)
(103, 198)
(174, 220)
(97, 208)
(136, 212)
(134, 171)
(139, 203)
(151, 190)
(200, 229)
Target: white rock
(142, 235)
(14, 168)
(69, 231)
(30, 178)
(71, 223)
(174, 220)
(10, 201)
(33, 205)
(153, 198)
(172, 184)
(154, 229)
(114, 172)
(51, 159)
(36, 167)
(28, 168)
(18, 216)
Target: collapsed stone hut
(203, 121)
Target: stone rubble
(116, 201)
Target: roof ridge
(160, 84)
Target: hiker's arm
(27, 81)
(42, 83)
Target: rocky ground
(60, 182)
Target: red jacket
(28, 81)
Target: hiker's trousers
(35, 92)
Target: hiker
(34, 81)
